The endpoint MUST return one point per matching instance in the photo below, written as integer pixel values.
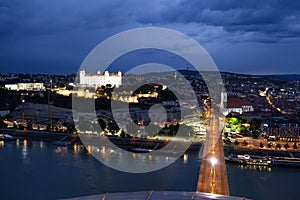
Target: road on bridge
(213, 175)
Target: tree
(227, 141)
(255, 134)
(286, 146)
(233, 120)
(255, 124)
(203, 116)
(295, 146)
(236, 142)
(278, 146)
(71, 129)
(245, 143)
(261, 145)
(123, 134)
(241, 129)
(113, 127)
(232, 128)
(269, 145)
(226, 134)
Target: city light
(213, 161)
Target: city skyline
(158, 99)
(242, 37)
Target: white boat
(244, 157)
(250, 160)
(140, 150)
(6, 137)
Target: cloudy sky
(54, 36)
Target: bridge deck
(213, 175)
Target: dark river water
(40, 170)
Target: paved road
(213, 174)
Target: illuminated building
(26, 86)
(99, 79)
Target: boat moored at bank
(250, 160)
(6, 137)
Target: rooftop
(235, 102)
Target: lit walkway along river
(39, 170)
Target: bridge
(213, 175)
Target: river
(40, 170)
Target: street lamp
(23, 110)
(213, 161)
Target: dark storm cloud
(48, 17)
(61, 32)
(275, 19)
(40, 17)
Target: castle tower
(82, 76)
(119, 73)
(119, 79)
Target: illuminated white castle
(100, 79)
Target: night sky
(54, 36)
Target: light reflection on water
(18, 142)
(24, 150)
(254, 168)
(185, 158)
(113, 155)
(40, 170)
(41, 144)
(1, 143)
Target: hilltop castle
(100, 79)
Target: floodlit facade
(26, 86)
(100, 79)
(237, 105)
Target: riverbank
(64, 139)
(279, 157)
(260, 152)
(30, 134)
(282, 158)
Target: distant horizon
(115, 71)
